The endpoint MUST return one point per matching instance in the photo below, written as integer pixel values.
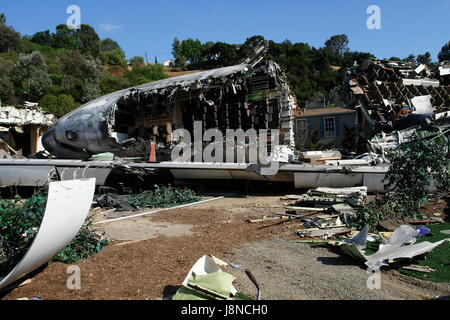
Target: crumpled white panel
(68, 205)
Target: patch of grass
(438, 259)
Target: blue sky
(407, 26)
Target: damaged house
(394, 95)
(393, 98)
(253, 94)
(21, 129)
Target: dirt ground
(151, 255)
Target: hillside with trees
(65, 68)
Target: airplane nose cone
(63, 151)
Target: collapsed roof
(395, 95)
(254, 94)
(21, 116)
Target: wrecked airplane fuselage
(243, 96)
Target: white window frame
(302, 132)
(328, 133)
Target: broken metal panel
(100, 174)
(206, 279)
(58, 227)
(38, 176)
(374, 182)
(398, 247)
(24, 175)
(37, 173)
(420, 82)
(307, 180)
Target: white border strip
(158, 210)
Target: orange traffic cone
(152, 152)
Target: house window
(302, 128)
(330, 127)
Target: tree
(424, 58)
(9, 38)
(66, 38)
(248, 46)
(44, 38)
(109, 44)
(58, 105)
(220, 54)
(6, 86)
(90, 90)
(148, 73)
(2, 18)
(137, 61)
(176, 48)
(337, 44)
(113, 58)
(110, 83)
(189, 50)
(410, 58)
(82, 76)
(30, 76)
(431, 162)
(444, 54)
(89, 40)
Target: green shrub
(413, 167)
(19, 224)
(86, 243)
(163, 197)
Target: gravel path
(288, 270)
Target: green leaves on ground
(19, 224)
(163, 197)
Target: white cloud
(109, 27)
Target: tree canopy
(444, 54)
(337, 44)
(64, 68)
(109, 44)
